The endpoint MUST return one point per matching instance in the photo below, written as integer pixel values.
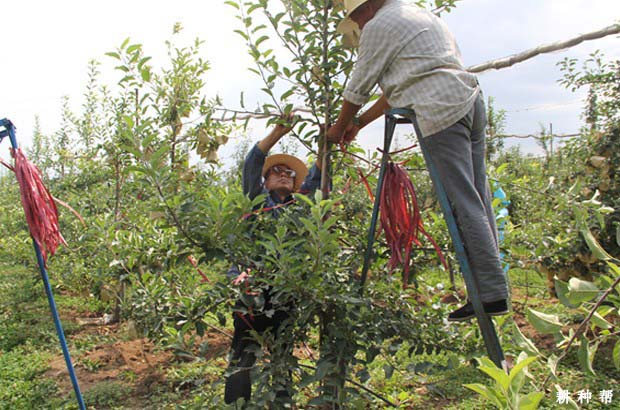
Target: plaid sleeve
(379, 45)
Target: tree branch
(358, 385)
(583, 324)
(546, 48)
(535, 136)
(239, 115)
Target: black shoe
(466, 312)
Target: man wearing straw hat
(415, 60)
(277, 176)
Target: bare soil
(137, 363)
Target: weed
(107, 393)
(21, 385)
(90, 365)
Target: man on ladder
(414, 58)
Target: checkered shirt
(415, 60)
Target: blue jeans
(458, 153)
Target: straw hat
(294, 163)
(347, 27)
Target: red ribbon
(39, 206)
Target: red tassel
(39, 206)
(401, 220)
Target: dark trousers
(458, 153)
(238, 383)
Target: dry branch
(538, 136)
(545, 48)
(237, 115)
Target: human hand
(243, 276)
(286, 123)
(334, 133)
(350, 133)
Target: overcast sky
(47, 44)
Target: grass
(21, 383)
(82, 304)
(107, 394)
(21, 309)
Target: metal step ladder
(397, 116)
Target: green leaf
(488, 394)
(501, 168)
(137, 169)
(133, 47)
(253, 7)
(585, 354)
(531, 400)
(133, 151)
(129, 121)
(562, 289)
(497, 374)
(143, 61)
(614, 268)
(232, 3)
(242, 34)
(145, 74)
(517, 373)
(260, 40)
(126, 78)
(618, 234)
(544, 323)
(287, 94)
(113, 55)
(156, 156)
(552, 364)
(595, 247)
(258, 28)
(598, 321)
(317, 401)
(146, 141)
(581, 291)
(200, 328)
(523, 342)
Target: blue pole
(10, 129)
(59, 330)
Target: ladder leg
(485, 323)
(390, 125)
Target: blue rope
(501, 216)
(9, 130)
